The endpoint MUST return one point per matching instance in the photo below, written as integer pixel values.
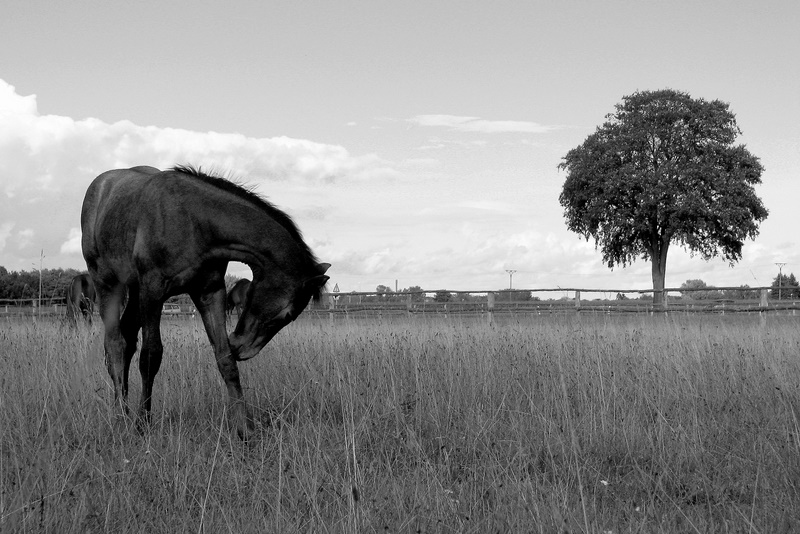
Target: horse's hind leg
(114, 343)
(129, 328)
(150, 356)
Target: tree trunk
(659, 271)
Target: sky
(414, 143)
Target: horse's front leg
(211, 305)
(241, 418)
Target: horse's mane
(242, 191)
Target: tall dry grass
(547, 424)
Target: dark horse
(158, 234)
(80, 298)
(237, 296)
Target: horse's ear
(323, 267)
(316, 281)
(314, 285)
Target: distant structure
(510, 276)
(237, 296)
(80, 298)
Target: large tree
(663, 169)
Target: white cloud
(48, 151)
(48, 161)
(13, 104)
(433, 144)
(73, 243)
(487, 205)
(5, 233)
(476, 124)
(25, 237)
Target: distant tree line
(25, 284)
(702, 291)
(385, 294)
(783, 287)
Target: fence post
(408, 305)
(577, 301)
(762, 312)
(490, 307)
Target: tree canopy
(25, 284)
(663, 169)
(514, 295)
(785, 286)
(703, 291)
(383, 290)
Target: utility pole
(780, 277)
(41, 263)
(510, 276)
(37, 303)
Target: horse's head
(268, 307)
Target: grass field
(547, 424)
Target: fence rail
(490, 302)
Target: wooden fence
(490, 303)
(573, 301)
(32, 307)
